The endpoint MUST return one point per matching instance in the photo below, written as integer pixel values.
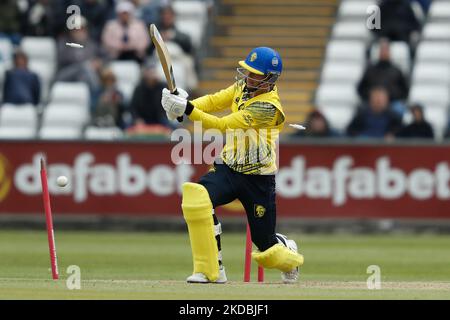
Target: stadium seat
(354, 9)
(436, 31)
(430, 94)
(128, 74)
(6, 53)
(76, 93)
(400, 55)
(439, 10)
(346, 50)
(60, 133)
(18, 116)
(46, 72)
(39, 48)
(65, 115)
(336, 93)
(96, 133)
(194, 10)
(193, 28)
(438, 118)
(348, 72)
(338, 115)
(192, 17)
(427, 72)
(433, 51)
(351, 30)
(17, 133)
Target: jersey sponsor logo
(259, 211)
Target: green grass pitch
(117, 265)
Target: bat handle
(180, 119)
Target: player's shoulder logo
(274, 61)
(253, 57)
(259, 211)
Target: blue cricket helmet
(263, 61)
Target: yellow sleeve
(257, 115)
(215, 102)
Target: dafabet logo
(5, 178)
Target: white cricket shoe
(201, 278)
(291, 276)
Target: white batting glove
(174, 104)
(171, 116)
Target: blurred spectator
(146, 101)
(170, 33)
(96, 13)
(419, 127)
(42, 19)
(317, 126)
(149, 11)
(21, 85)
(79, 65)
(424, 5)
(10, 20)
(109, 108)
(384, 73)
(375, 119)
(398, 21)
(126, 38)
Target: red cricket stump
(248, 259)
(49, 221)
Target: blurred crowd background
(341, 79)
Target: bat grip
(180, 119)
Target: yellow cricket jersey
(252, 128)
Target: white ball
(62, 181)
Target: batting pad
(278, 257)
(197, 211)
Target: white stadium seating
(128, 74)
(428, 72)
(350, 30)
(346, 50)
(354, 9)
(338, 115)
(60, 133)
(433, 51)
(336, 93)
(6, 53)
(97, 133)
(430, 95)
(192, 17)
(65, 115)
(436, 31)
(70, 93)
(349, 72)
(18, 121)
(439, 10)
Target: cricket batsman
(245, 171)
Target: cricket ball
(62, 181)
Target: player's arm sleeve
(257, 115)
(215, 102)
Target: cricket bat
(164, 58)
